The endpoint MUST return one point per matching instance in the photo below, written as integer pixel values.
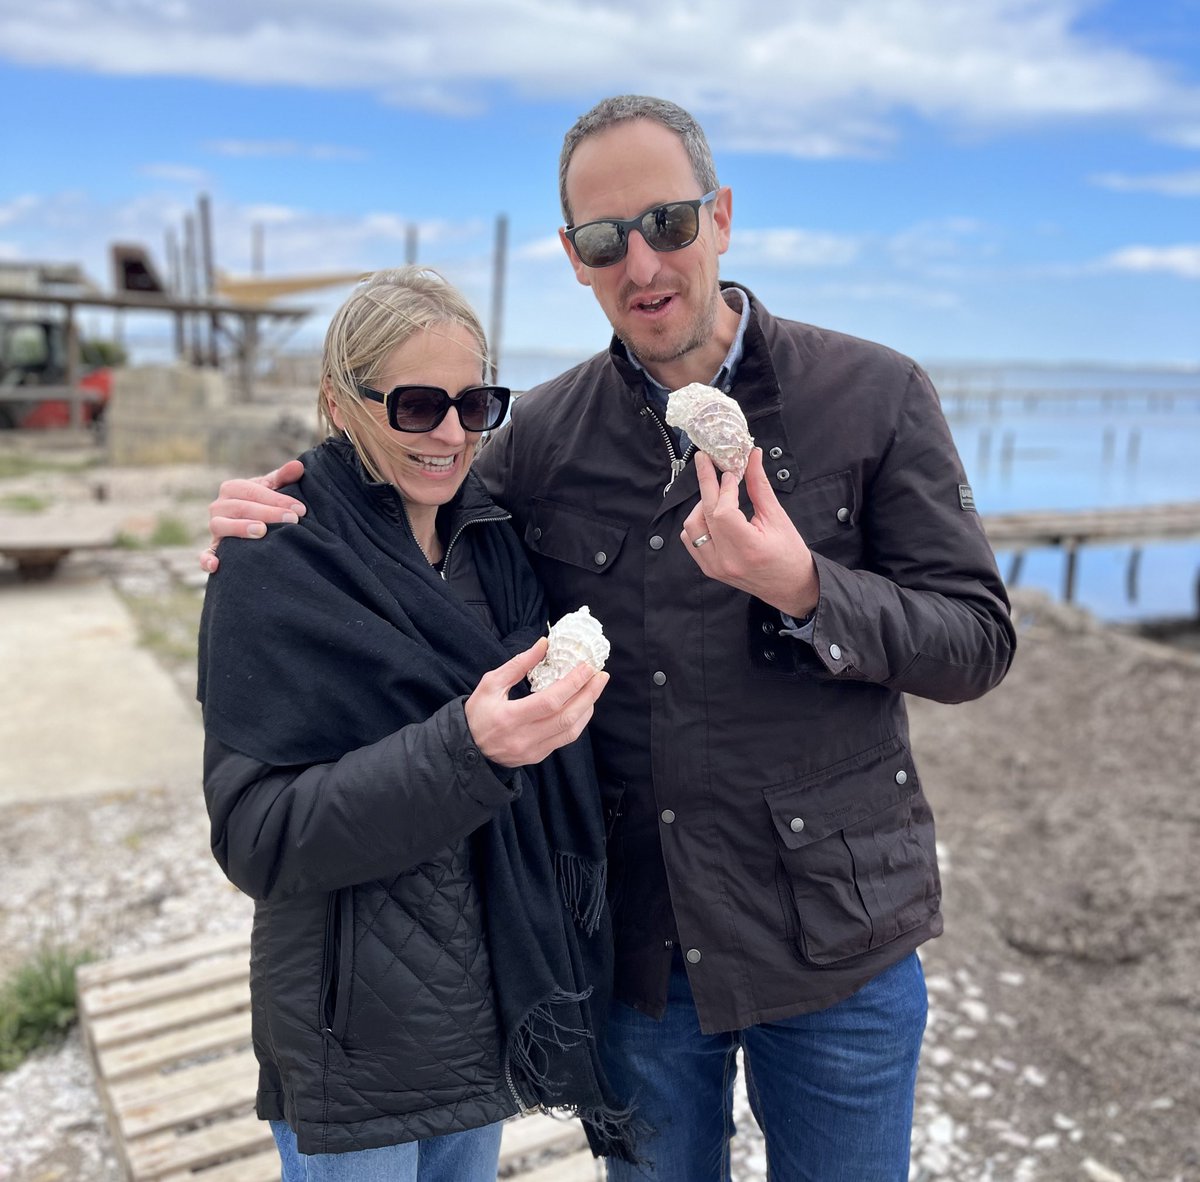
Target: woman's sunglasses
(422, 408)
(664, 227)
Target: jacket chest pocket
(566, 534)
(856, 862)
(824, 507)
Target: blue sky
(960, 179)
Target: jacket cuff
(486, 782)
(818, 650)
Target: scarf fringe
(615, 1132)
(529, 1047)
(583, 883)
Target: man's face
(664, 306)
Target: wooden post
(498, 263)
(208, 276)
(72, 375)
(1072, 551)
(1131, 574)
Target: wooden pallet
(168, 1032)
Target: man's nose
(642, 262)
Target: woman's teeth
(435, 463)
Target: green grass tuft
(38, 1003)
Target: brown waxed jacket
(765, 810)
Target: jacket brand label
(966, 498)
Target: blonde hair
(384, 310)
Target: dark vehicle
(33, 354)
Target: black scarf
(348, 607)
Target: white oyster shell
(715, 424)
(576, 637)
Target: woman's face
(427, 467)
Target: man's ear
(582, 274)
(723, 217)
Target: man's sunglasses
(664, 227)
(422, 408)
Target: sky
(989, 180)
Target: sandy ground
(1064, 1028)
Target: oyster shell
(715, 424)
(576, 637)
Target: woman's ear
(335, 412)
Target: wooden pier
(168, 1032)
(1071, 530)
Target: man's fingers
(758, 487)
(235, 527)
(504, 677)
(250, 498)
(287, 473)
(708, 479)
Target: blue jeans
(470, 1156)
(832, 1090)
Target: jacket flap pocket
(835, 798)
(568, 534)
(823, 506)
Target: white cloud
(16, 209)
(1167, 184)
(183, 174)
(259, 148)
(1182, 261)
(783, 247)
(539, 250)
(808, 78)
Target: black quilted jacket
(373, 1017)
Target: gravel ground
(1064, 999)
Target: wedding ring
(701, 540)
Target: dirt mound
(1068, 804)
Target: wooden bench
(38, 542)
(168, 1033)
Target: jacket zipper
(525, 1108)
(459, 532)
(677, 463)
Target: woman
(430, 948)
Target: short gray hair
(622, 108)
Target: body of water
(1060, 437)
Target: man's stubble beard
(698, 338)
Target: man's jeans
(832, 1090)
(471, 1156)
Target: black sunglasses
(422, 408)
(664, 227)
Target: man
(771, 854)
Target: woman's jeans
(471, 1156)
(832, 1090)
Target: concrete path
(83, 709)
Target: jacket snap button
(843, 514)
(769, 653)
(902, 777)
(768, 628)
(601, 558)
(776, 452)
(536, 535)
(668, 816)
(796, 824)
(660, 678)
(693, 955)
(656, 543)
(783, 474)
(835, 652)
